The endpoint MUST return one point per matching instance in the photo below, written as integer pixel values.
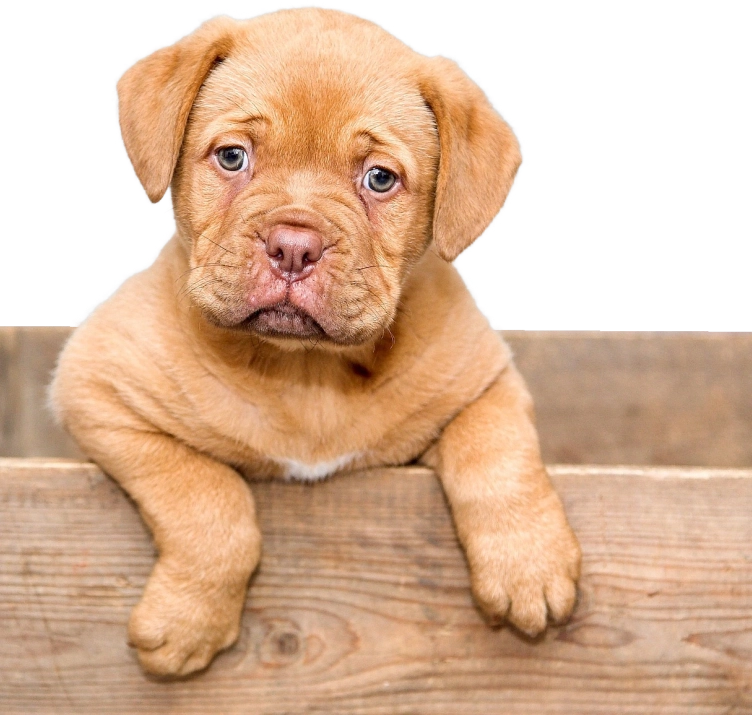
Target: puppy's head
(313, 159)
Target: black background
(104, 227)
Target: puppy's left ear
(479, 156)
(156, 96)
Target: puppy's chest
(305, 433)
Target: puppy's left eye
(379, 180)
(232, 158)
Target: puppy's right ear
(156, 96)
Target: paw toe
(144, 633)
(197, 660)
(164, 661)
(561, 596)
(492, 599)
(528, 612)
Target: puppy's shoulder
(453, 337)
(128, 334)
(440, 309)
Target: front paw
(180, 624)
(526, 575)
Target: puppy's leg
(202, 516)
(524, 558)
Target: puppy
(305, 317)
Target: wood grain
(361, 604)
(640, 398)
(27, 429)
(601, 398)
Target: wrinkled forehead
(323, 91)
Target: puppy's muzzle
(293, 251)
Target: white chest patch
(320, 470)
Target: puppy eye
(379, 180)
(232, 158)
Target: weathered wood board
(27, 429)
(361, 604)
(640, 398)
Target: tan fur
(167, 389)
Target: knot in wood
(288, 643)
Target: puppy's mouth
(283, 320)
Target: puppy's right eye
(232, 158)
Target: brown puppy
(305, 318)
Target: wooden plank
(9, 400)
(27, 358)
(640, 398)
(361, 604)
(601, 398)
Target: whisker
(184, 293)
(219, 245)
(197, 285)
(206, 265)
(375, 265)
(364, 284)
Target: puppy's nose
(293, 249)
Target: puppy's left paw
(526, 575)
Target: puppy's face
(311, 169)
(305, 187)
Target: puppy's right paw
(181, 624)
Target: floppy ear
(479, 156)
(156, 95)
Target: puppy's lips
(283, 320)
